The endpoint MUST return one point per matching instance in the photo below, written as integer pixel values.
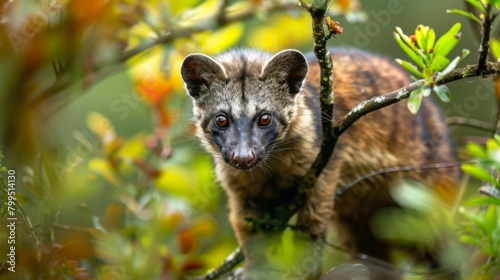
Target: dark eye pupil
(265, 120)
(221, 121)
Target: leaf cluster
(430, 57)
(482, 228)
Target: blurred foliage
(95, 202)
(481, 227)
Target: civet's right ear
(198, 71)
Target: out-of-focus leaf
(478, 173)
(186, 240)
(495, 48)
(292, 33)
(133, 147)
(181, 6)
(221, 39)
(470, 240)
(491, 219)
(190, 265)
(178, 181)
(464, 13)
(415, 100)
(198, 16)
(443, 92)
(477, 4)
(102, 167)
(476, 150)
(492, 145)
(203, 227)
(482, 200)
(114, 215)
(414, 196)
(101, 126)
(170, 220)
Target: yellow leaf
(102, 167)
(177, 181)
(100, 125)
(133, 148)
(181, 6)
(282, 32)
(222, 39)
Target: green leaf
(415, 100)
(482, 200)
(421, 35)
(427, 91)
(477, 4)
(491, 219)
(464, 13)
(495, 48)
(470, 240)
(430, 39)
(439, 63)
(443, 92)
(410, 67)
(492, 145)
(448, 41)
(479, 173)
(495, 2)
(476, 150)
(409, 50)
(453, 64)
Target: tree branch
(486, 126)
(387, 99)
(484, 46)
(235, 258)
(318, 12)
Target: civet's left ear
(289, 66)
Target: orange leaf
(189, 265)
(186, 241)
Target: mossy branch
(318, 10)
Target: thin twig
(437, 165)
(484, 46)
(475, 25)
(470, 123)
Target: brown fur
(389, 137)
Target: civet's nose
(243, 159)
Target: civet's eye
(221, 121)
(265, 120)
